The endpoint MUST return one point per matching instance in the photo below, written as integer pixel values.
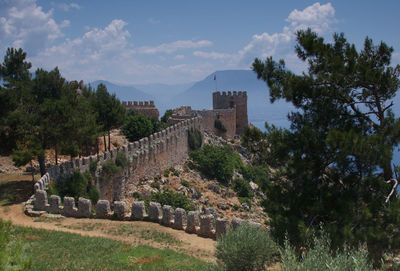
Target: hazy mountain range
(199, 94)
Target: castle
(229, 108)
(146, 108)
(148, 157)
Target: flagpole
(216, 84)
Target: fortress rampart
(235, 99)
(148, 157)
(227, 118)
(192, 222)
(146, 108)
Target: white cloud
(96, 50)
(24, 24)
(69, 6)
(212, 55)
(169, 48)
(318, 17)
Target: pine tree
(334, 162)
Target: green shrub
(121, 160)
(155, 185)
(93, 167)
(12, 251)
(219, 126)
(137, 195)
(171, 170)
(169, 197)
(109, 168)
(195, 139)
(245, 200)
(256, 174)
(77, 185)
(185, 183)
(168, 113)
(216, 162)
(93, 194)
(242, 188)
(137, 126)
(246, 248)
(320, 257)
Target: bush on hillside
(169, 197)
(242, 188)
(217, 162)
(77, 185)
(195, 139)
(219, 126)
(247, 248)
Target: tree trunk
(33, 172)
(97, 146)
(42, 165)
(56, 154)
(105, 143)
(109, 141)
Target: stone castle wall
(146, 108)
(227, 118)
(148, 157)
(205, 225)
(233, 99)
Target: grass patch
(47, 219)
(147, 234)
(52, 250)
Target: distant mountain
(199, 96)
(124, 93)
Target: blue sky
(180, 41)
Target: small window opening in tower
(231, 104)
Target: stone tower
(236, 100)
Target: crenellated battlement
(169, 145)
(141, 104)
(146, 108)
(230, 93)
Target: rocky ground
(206, 195)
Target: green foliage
(77, 185)
(185, 183)
(121, 160)
(245, 249)
(167, 115)
(256, 174)
(93, 167)
(242, 188)
(13, 254)
(336, 157)
(137, 127)
(110, 112)
(169, 197)
(219, 126)
(216, 162)
(93, 193)
(109, 168)
(246, 200)
(195, 139)
(171, 170)
(320, 257)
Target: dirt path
(134, 232)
